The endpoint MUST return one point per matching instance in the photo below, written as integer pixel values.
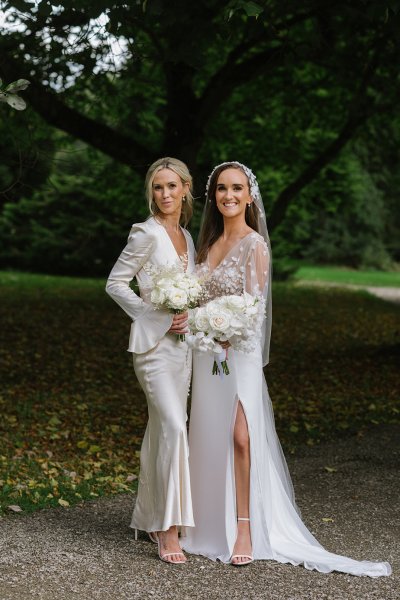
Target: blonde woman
(161, 362)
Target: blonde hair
(182, 171)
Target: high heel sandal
(248, 556)
(163, 557)
(152, 535)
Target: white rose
(182, 284)
(201, 321)
(220, 321)
(157, 296)
(214, 307)
(238, 323)
(235, 303)
(164, 283)
(194, 290)
(178, 299)
(176, 279)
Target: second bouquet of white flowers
(233, 318)
(174, 289)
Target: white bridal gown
(277, 531)
(162, 365)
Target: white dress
(162, 365)
(277, 531)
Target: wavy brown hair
(182, 171)
(212, 224)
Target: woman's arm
(149, 324)
(132, 258)
(257, 268)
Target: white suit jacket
(148, 243)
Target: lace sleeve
(257, 268)
(258, 275)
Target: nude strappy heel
(248, 556)
(152, 535)
(154, 538)
(163, 557)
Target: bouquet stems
(220, 367)
(224, 366)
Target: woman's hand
(225, 345)
(179, 324)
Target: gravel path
(391, 294)
(88, 552)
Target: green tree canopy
(206, 79)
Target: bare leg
(169, 543)
(242, 480)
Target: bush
(339, 219)
(283, 269)
(76, 227)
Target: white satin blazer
(148, 243)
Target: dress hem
(383, 569)
(151, 530)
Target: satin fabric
(277, 531)
(163, 367)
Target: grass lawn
(348, 276)
(73, 414)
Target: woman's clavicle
(179, 242)
(221, 249)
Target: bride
(243, 500)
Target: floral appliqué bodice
(244, 268)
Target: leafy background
(304, 93)
(74, 415)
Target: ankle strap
(243, 519)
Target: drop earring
(183, 198)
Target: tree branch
(358, 113)
(49, 105)
(225, 80)
(228, 77)
(312, 170)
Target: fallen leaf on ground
(14, 508)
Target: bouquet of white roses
(232, 318)
(174, 289)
